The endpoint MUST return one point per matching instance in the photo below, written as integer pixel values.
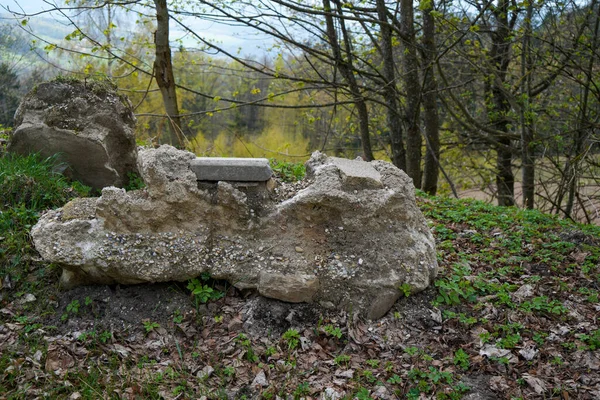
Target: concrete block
(357, 174)
(231, 169)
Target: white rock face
(361, 234)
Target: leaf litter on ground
(513, 314)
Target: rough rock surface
(348, 240)
(87, 124)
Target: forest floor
(513, 314)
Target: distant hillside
(49, 29)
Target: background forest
(496, 99)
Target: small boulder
(87, 124)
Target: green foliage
(336, 332)
(134, 182)
(455, 288)
(203, 293)
(461, 358)
(363, 394)
(302, 390)
(292, 338)
(342, 359)
(243, 341)
(177, 317)
(543, 304)
(71, 309)
(592, 340)
(149, 326)
(288, 171)
(406, 289)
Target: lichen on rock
(349, 239)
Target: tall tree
(389, 88)
(344, 63)
(163, 70)
(430, 107)
(410, 66)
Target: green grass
(28, 186)
(29, 181)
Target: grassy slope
(513, 314)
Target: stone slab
(357, 174)
(231, 169)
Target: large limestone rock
(87, 124)
(348, 240)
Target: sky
(232, 39)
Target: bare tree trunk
(584, 124)
(410, 66)
(527, 129)
(108, 36)
(430, 109)
(393, 116)
(346, 69)
(500, 60)
(163, 70)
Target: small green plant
(373, 363)
(71, 309)
(485, 337)
(288, 171)
(229, 371)
(461, 358)
(292, 338)
(569, 345)
(411, 350)
(149, 326)
(134, 182)
(203, 293)
(342, 359)
(453, 290)
(395, 380)
(539, 338)
(363, 394)
(368, 376)
(405, 289)
(243, 341)
(177, 317)
(270, 351)
(105, 336)
(556, 360)
(302, 390)
(592, 340)
(336, 332)
(509, 341)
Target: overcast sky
(231, 38)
